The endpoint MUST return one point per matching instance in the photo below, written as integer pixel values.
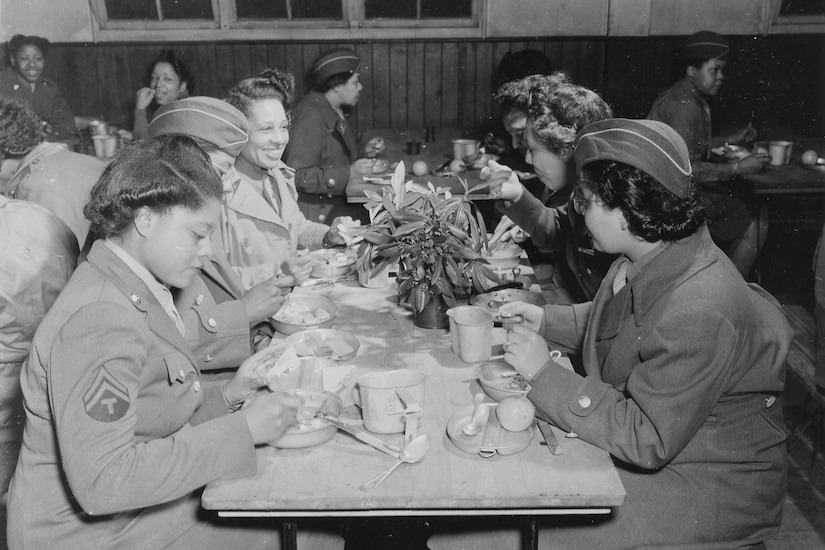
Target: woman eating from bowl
(684, 361)
(169, 79)
(264, 226)
(23, 80)
(121, 432)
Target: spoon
(473, 427)
(413, 452)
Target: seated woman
(169, 79)
(684, 361)
(263, 225)
(42, 172)
(544, 113)
(121, 433)
(23, 80)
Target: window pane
(450, 9)
(187, 9)
(316, 9)
(261, 9)
(802, 7)
(390, 9)
(132, 9)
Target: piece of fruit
(810, 157)
(457, 166)
(419, 168)
(515, 413)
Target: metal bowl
(500, 380)
(286, 320)
(343, 346)
(505, 256)
(311, 431)
(491, 301)
(331, 263)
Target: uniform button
(589, 271)
(207, 358)
(329, 195)
(245, 242)
(212, 323)
(331, 183)
(770, 401)
(135, 298)
(584, 401)
(196, 386)
(321, 218)
(199, 300)
(181, 373)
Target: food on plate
(810, 157)
(515, 413)
(299, 314)
(420, 168)
(339, 347)
(380, 166)
(457, 166)
(332, 257)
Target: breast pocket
(179, 367)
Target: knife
(550, 437)
(363, 436)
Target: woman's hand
(144, 98)
(361, 168)
(532, 314)
(269, 415)
(752, 164)
(334, 234)
(743, 135)
(504, 184)
(251, 375)
(298, 267)
(526, 351)
(263, 300)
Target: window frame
(226, 26)
(794, 24)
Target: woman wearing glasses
(683, 360)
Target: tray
(492, 440)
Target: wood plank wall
(410, 84)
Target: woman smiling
(169, 80)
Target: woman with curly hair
(544, 113)
(169, 79)
(263, 225)
(683, 360)
(44, 172)
(23, 80)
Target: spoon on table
(413, 452)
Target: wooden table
(435, 154)
(323, 481)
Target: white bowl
(331, 263)
(500, 380)
(298, 313)
(311, 431)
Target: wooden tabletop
(435, 154)
(324, 480)
(793, 178)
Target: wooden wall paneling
(276, 57)
(241, 61)
(466, 85)
(416, 104)
(450, 56)
(364, 114)
(207, 72)
(398, 85)
(500, 49)
(381, 85)
(433, 84)
(226, 77)
(293, 63)
(258, 58)
(485, 67)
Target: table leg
(290, 534)
(531, 535)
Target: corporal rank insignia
(106, 400)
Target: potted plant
(435, 237)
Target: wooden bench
(801, 364)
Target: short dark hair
(517, 65)
(168, 56)
(269, 84)
(21, 130)
(158, 173)
(652, 211)
(338, 79)
(20, 40)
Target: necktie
(620, 280)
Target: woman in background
(121, 432)
(169, 79)
(264, 226)
(23, 80)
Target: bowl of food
(492, 301)
(326, 343)
(311, 429)
(380, 166)
(504, 256)
(500, 380)
(731, 152)
(304, 312)
(331, 263)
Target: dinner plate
(731, 152)
(492, 440)
(818, 167)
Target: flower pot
(379, 280)
(434, 314)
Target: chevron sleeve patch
(106, 400)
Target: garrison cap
(341, 60)
(207, 118)
(705, 45)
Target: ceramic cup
(471, 332)
(464, 149)
(382, 409)
(780, 152)
(105, 146)
(99, 128)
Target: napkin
(340, 379)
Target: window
(286, 19)
(798, 16)
(802, 7)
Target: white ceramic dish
(301, 312)
(331, 263)
(310, 430)
(343, 346)
(499, 380)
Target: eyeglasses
(580, 202)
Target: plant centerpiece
(436, 238)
